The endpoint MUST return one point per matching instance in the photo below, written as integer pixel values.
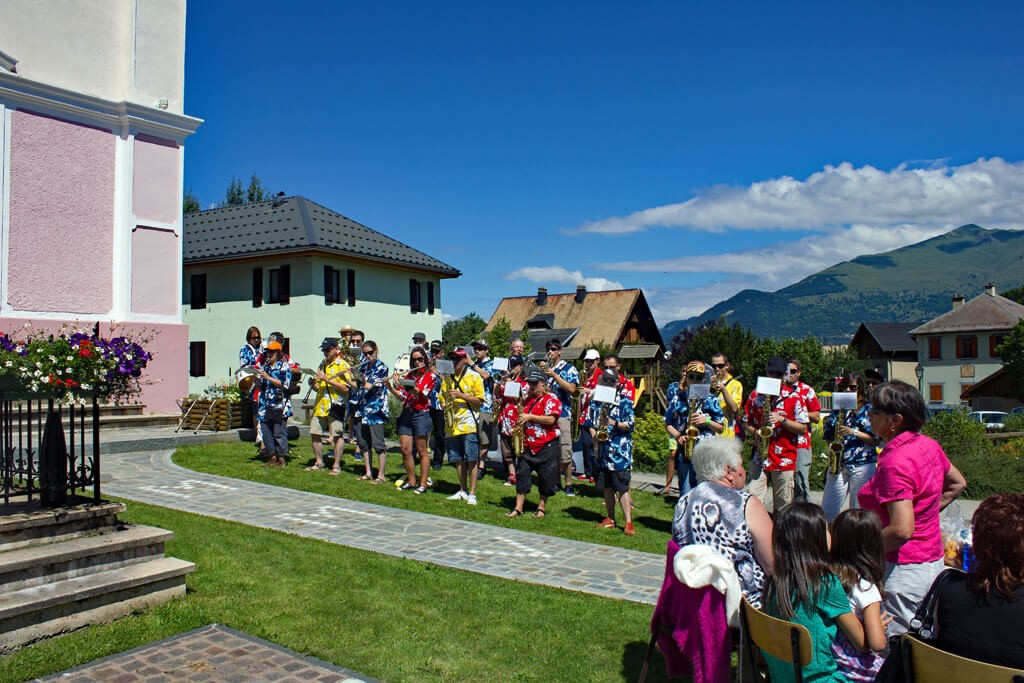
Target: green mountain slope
(910, 284)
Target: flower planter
(220, 415)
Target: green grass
(574, 518)
(393, 619)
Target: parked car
(1017, 411)
(992, 419)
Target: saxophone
(602, 423)
(692, 406)
(835, 456)
(450, 417)
(518, 437)
(764, 432)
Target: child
(858, 561)
(804, 590)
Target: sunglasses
(367, 352)
(695, 378)
(418, 359)
(718, 366)
(793, 371)
(255, 336)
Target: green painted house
(293, 266)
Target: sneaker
(629, 530)
(430, 483)
(570, 491)
(509, 482)
(606, 523)
(405, 486)
(580, 477)
(420, 490)
(459, 495)
(480, 473)
(471, 499)
(590, 479)
(358, 457)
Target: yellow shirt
(735, 389)
(465, 416)
(326, 394)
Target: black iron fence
(40, 461)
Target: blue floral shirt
(271, 393)
(247, 355)
(571, 375)
(435, 401)
(855, 451)
(617, 452)
(373, 403)
(487, 365)
(678, 412)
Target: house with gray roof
(889, 348)
(959, 348)
(294, 266)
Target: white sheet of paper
(844, 400)
(698, 391)
(512, 389)
(444, 366)
(500, 364)
(769, 386)
(604, 394)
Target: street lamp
(919, 371)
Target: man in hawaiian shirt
(729, 391)
(591, 371)
(563, 379)
(774, 463)
(539, 420)
(372, 409)
(708, 419)
(464, 391)
(614, 455)
(331, 389)
(801, 489)
(483, 366)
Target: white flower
(68, 370)
(39, 364)
(17, 349)
(8, 364)
(37, 373)
(71, 357)
(85, 387)
(53, 359)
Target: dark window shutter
(430, 298)
(198, 294)
(197, 359)
(350, 286)
(257, 287)
(414, 296)
(285, 285)
(329, 293)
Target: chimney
(990, 289)
(958, 301)
(542, 296)
(581, 293)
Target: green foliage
(650, 443)
(235, 195)
(462, 331)
(190, 203)
(256, 192)
(1014, 422)
(957, 434)
(1012, 353)
(738, 345)
(499, 338)
(1016, 294)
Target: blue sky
(691, 149)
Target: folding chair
(782, 639)
(930, 664)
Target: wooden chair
(782, 639)
(930, 664)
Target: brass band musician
(689, 420)
(331, 389)
(729, 391)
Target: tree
(499, 338)
(235, 195)
(714, 336)
(462, 331)
(256, 192)
(1016, 294)
(1012, 353)
(190, 203)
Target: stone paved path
(211, 653)
(151, 477)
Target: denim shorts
(414, 423)
(463, 448)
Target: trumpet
(312, 380)
(691, 430)
(518, 435)
(835, 456)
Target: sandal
(379, 480)
(365, 477)
(539, 513)
(515, 513)
(335, 471)
(315, 468)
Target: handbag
(897, 667)
(274, 412)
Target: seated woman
(980, 614)
(719, 513)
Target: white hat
(591, 354)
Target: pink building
(91, 154)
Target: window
(280, 286)
(935, 348)
(967, 346)
(257, 287)
(414, 296)
(332, 286)
(197, 359)
(286, 346)
(350, 286)
(197, 299)
(994, 341)
(935, 393)
(430, 298)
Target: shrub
(958, 434)
(1014, 422)
(650, 443)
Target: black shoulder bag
(897, 667)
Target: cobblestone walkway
(211, 653)
(151, 477)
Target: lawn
(574, 518)
(393, 619)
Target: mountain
(910, 284)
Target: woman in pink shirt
(913, 483)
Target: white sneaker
(458, 495)
(471, 499)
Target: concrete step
(37, 565)
(27, 524)
(41, 611)
(108, 422)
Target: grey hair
(711, 456)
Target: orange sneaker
(606, 523)
(629, 530)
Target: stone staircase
(116, 417)
(65, 568)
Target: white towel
(701, 565)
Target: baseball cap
(328, 343)
(457, 352)
(274, 346)
(591, 354)
(419, 337)
(536, 376)
(481, 344)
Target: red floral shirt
(810, 399)
(538, 435)
(782, 445)
(418, 398)
(509, 409)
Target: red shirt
(536, 435)
(806, 392)
(588, 383)
(509, 408)
(418, 398)
(782, 445)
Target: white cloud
(989, 192)
(560, 275)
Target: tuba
(835, 456)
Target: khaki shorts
(565, 439)
(325, 426)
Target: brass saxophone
(764, 432)
(518, 437)
(449, 411)
(835, 456)
(602, 423)
(693, 405)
